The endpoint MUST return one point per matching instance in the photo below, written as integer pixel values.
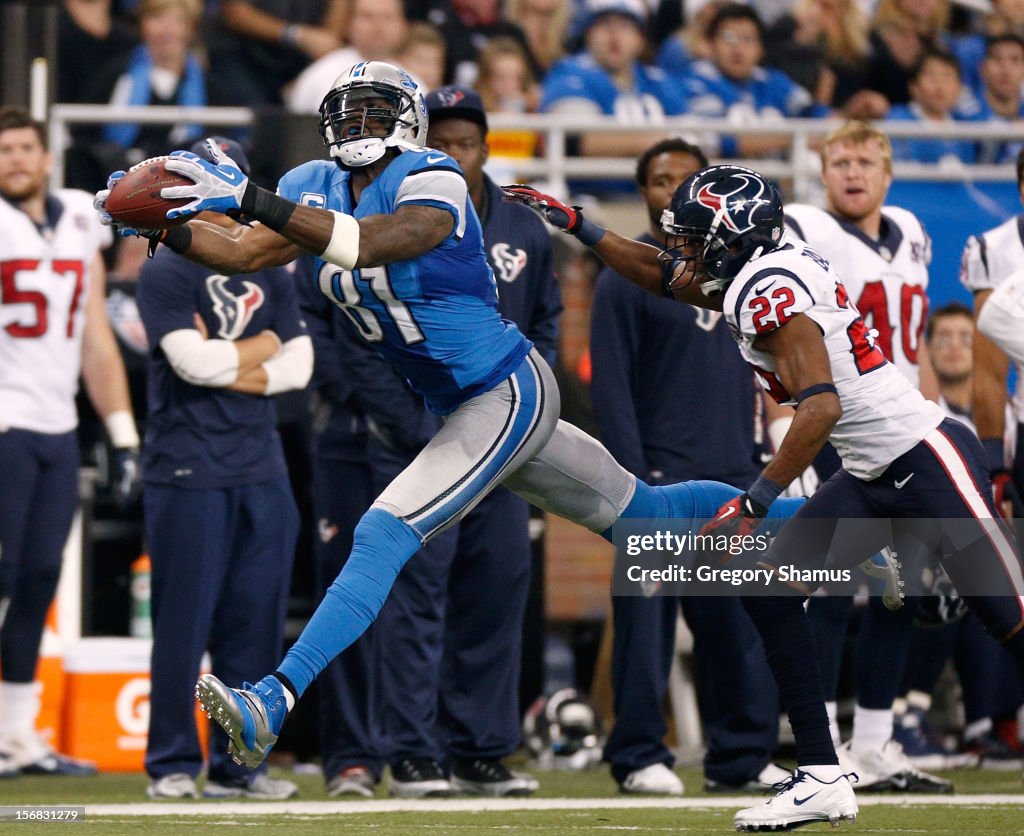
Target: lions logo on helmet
(371, 107)
(725, 216)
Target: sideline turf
(129, 789)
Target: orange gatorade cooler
(106, 703)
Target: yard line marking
(476, 805)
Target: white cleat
(887, 768)
(815, 794)
(656, 779)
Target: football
(135, 199)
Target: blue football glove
(218, 186)
(566, 218)
(125, 476)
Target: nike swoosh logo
(800, 801)
(899, 483)
(727, 513)
(230, 175)
(764, 287)
(433, 160)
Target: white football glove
(218, 186)
(99, 203)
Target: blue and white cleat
(886, 568)
(251, 716)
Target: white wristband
(121, 429)
(777, 430)
(343, 251)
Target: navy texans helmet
(371, 107)
(726, 216)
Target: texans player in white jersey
(902, 459)
(881, 253)
(987, 269)
(398, 246)
(53, 325)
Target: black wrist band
(764, 492)
(177, 238)
(816, 389)
(266, 207)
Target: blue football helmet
(371, 107)
(720, 218)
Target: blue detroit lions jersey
(768, 95)
(434, 317)
(580, 80)
(924, 150)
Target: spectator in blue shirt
(608, 78)
(1002, 75)
(1006, 17)
(935, 88)
(733, 84)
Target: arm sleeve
(441, 187)
(291, 367)
(201, 362)
(614, 350)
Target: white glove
(218, 186)
(99, 203)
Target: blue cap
(635, 10)
(456, 102)
(228, 147)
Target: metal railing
(557, 167)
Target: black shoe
(489, 776)
(993, 752)
(419, 778)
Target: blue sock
(780, 511)
(708, 497)
(382, 546)
(651, 503)
(697, 499)
(783, 509)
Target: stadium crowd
(430, 690)
(932, 61)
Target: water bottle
(141, 626)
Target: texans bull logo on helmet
(737, 215)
